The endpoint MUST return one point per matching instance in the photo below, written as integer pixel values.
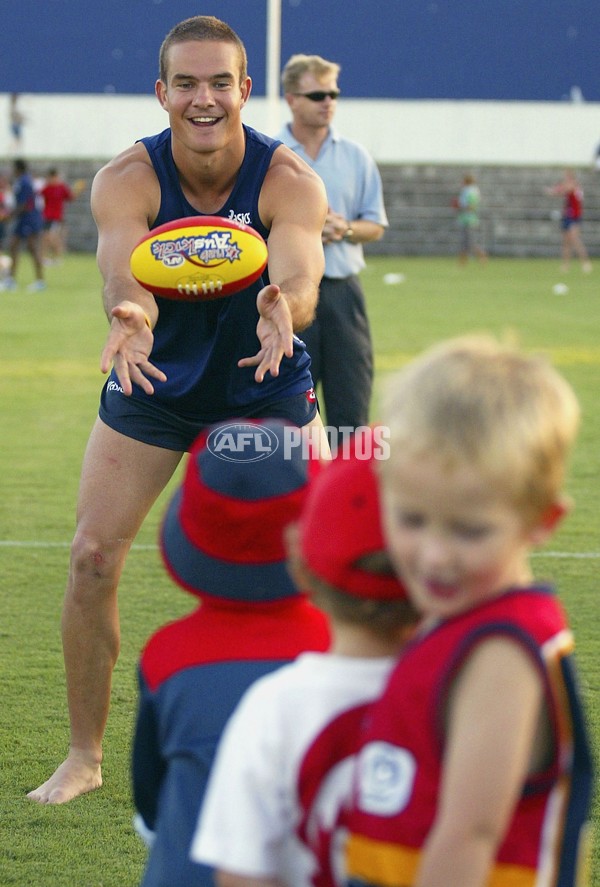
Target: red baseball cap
(340, 523)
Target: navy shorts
(151, 422)
(28, 225)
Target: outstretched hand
(275, 333)
(128, 349)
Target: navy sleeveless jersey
(198, 344)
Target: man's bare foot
(75, 776)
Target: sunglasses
(319, 96)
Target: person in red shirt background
(56, 193)
(572, 244)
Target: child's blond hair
(474, 400)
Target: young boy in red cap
(273, 812)
(222, 540)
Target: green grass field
(49, 388)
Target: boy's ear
(549, 521)
(295, 564)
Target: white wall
(462, 132)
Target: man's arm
(337, 228)
(293, 204)
(125, 197)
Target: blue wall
(533, 50)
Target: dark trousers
(340, 347)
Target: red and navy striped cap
(222, 534)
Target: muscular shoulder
(288, 179)
(128, 181)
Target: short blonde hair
(474, 400)
(299, 64)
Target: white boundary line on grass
(19, 543)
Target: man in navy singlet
(177, 367)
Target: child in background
(27, 225)
(222, 540)
(273, 812)
(467, 206)
(487, 783)
(569, 188)
(7, 205)
(56, 193)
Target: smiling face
(455, 539)
(203, 95)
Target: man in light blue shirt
(339, 340)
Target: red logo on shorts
(310, 395)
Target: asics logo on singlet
(114, 386)
(240, 218)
